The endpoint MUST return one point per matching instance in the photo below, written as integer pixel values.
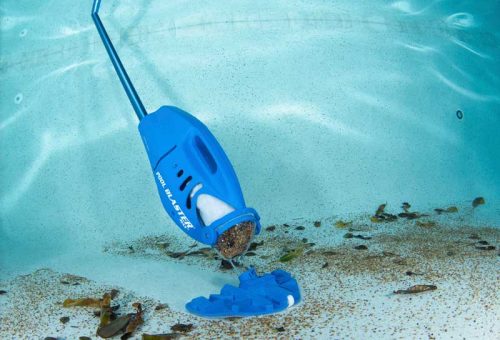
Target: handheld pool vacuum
(199, 190)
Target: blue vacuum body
(184, 155)
(187, 161)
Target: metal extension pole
(120, 70)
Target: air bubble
(18, 98)
(460, 114)
(23, 32)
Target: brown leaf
(254, 245)
(292, 254)
(361, 247)
(416, 289)
(410, 273)
(182, 328)
(478, 201)
(486, 247)
(83, 302)
(114, 293)
(427, 224)
(114, 327)
(330, 253)
(163, 245)
(161, 306)
(135, 321)
(405, 206)
(348, 235)
(105, 315)
(439, 211)
(380, 209)
(361, 237)
(410, 215)
(177, 255)
(343, 224)
(399, 261)
(167, 336)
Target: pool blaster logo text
(181, 216)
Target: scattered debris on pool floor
(388, 279)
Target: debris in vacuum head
(234, 241)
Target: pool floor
(348, 292)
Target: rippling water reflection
(338, 106)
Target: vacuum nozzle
(235, 240)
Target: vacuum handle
(115, 59)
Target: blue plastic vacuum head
(188, 162)
(256, 295)
(200, 191)
(196, 182)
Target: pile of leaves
(110, 324)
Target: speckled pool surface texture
(327, 110)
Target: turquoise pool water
(326, 109)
